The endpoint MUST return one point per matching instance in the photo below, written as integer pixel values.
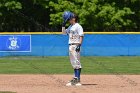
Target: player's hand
(78, 48)
(64, 24)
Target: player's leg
(72, 58)
(78, 69)
(75, 62)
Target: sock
(77, 72)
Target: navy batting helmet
(67, 15)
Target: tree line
(46, 15)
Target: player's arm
(81, 39)
(79, 45)
(63, 27)
(63, 30)
(65, 18)
(81, 33)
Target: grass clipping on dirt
(6, 92)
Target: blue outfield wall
(93, 45)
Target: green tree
(24, 15)
(46, 15)
(6, 6)
(95, 15)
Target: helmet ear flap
(71, 15)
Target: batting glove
(64, 24)
(78, 48)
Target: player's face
(72, 21)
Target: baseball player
(75, 32)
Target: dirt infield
(56, 84)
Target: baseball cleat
(71, 82)
(74, 81)
(78, 84)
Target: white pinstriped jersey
(74, 32)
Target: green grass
(61, 65)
